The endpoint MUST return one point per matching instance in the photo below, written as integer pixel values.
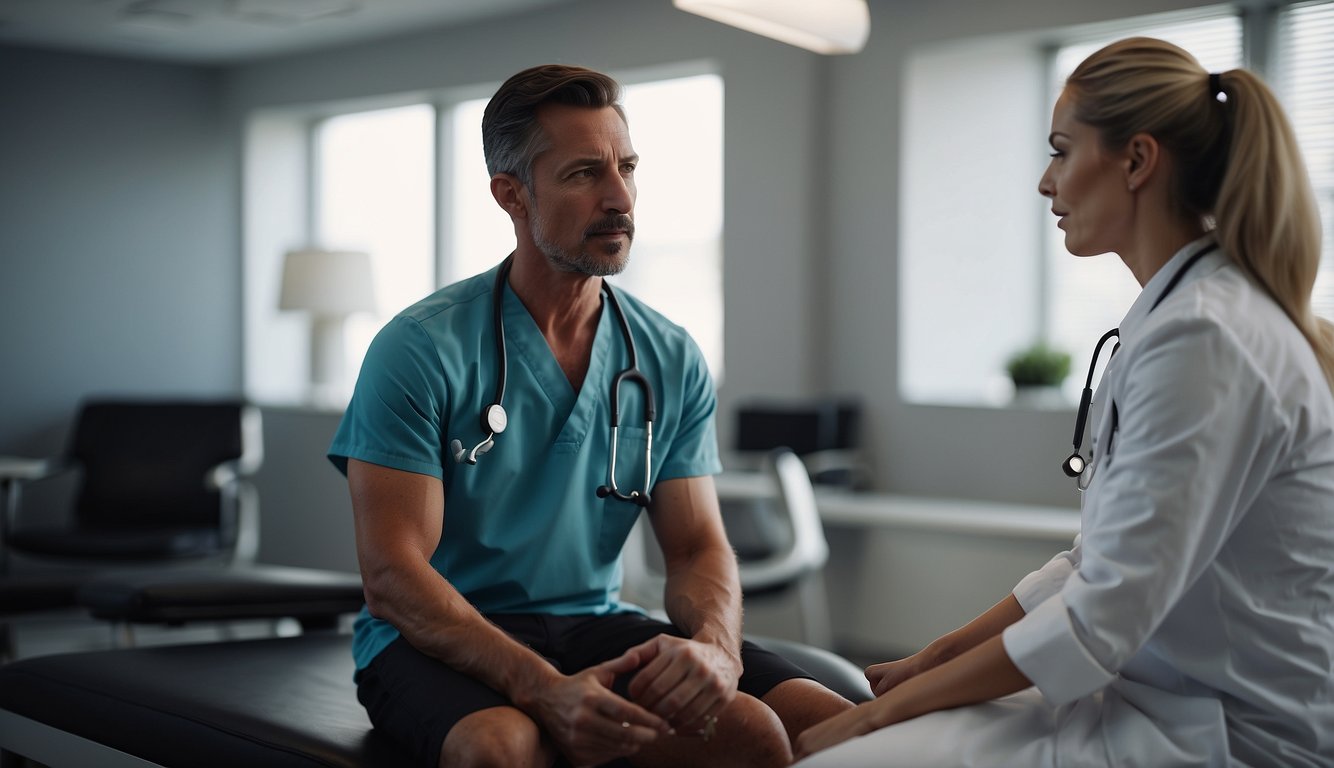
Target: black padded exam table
(273, 702)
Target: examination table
(270, 702)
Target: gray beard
(612, 261)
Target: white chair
(788, 561)
(797, 567)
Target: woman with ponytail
(1192, 622)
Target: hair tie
(1216, 88)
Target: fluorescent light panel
(823, 26)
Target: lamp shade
(823, 26)
(327, 283)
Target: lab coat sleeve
(1046, 581)
(1199, 433)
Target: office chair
(159, 481)
(823, 431)
(780, 544)
(794, 564)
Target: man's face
(583, 193)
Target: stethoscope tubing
(494, 419)
(1075, 465)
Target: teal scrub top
(524, 531)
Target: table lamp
(331, 286)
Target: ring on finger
(709, 729)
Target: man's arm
(399, 518)
(687, 681)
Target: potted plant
(1038, 372)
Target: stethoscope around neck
(1075, 465)
(494, 419)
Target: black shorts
(414, 699)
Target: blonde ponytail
(1267, 216)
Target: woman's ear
(510, 195)
(1142, 157)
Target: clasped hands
(679, 688)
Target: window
(983, 268)
(1304, 72)
(351, 178)
(373, 193)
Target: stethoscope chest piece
(495, 419)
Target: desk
(885, 510)
(12, 470)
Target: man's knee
(802, 703)
(499, 737)
(760, 739)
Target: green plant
(1038, 366)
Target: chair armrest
(18, 469)
(222, 476)
(252, 453)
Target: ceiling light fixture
(827, 26)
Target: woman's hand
(858, 721)
(885, 676)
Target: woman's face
(1086, 184)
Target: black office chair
(823, 431)
(158, 481)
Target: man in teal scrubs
(493, 632)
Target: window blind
(1304, 69)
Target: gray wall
(120, 229)
(118, 210)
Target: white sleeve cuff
(1036, 587)
(1044, 647)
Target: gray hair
(512, 138)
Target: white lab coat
(1192, 623)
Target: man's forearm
(703, 598)
(431, 614)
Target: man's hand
(686, 682)
(589, 723)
